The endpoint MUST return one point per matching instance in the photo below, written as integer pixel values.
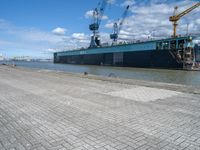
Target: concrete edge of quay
(153, 84)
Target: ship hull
(143, 59)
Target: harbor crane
(176, 17)
(118, 26)
(98, 13)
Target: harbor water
(157, 75)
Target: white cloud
(3, 24)
(109, 24)
(151, 19)
(128, 2)
(104, 17)
(81, 37)
(28, 40)
(146, 19)
(41, 36)
(198, 21)
(89, 15)
(105, 37)
(59, 31)
(111, 1)
(51, 50)
(35, 42)
(30, 35)
(4, 42)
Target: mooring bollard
(112, 75)
(85, 73)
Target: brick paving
(41, 110)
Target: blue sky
(39, 27)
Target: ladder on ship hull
(188, 59)
(177, 55)
(185, 57)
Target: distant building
(1, 57)
(22, 58)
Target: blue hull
(144, 59)
(172, 53)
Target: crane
(98, 13)
(117, 27)
(176, 17)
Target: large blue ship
(171, 53)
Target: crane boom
(123, 18)
(189, 10)
(117, 27)
(177, 17)
(101, 11)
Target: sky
(37, 28)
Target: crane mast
(118, 26)
(176, 17)
(98, 13)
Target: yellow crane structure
(176, 17)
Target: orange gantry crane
(176, 17)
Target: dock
(49, 110)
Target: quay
(49, 110)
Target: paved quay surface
(46, 110)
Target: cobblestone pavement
(42, 110)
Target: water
(158, 75)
